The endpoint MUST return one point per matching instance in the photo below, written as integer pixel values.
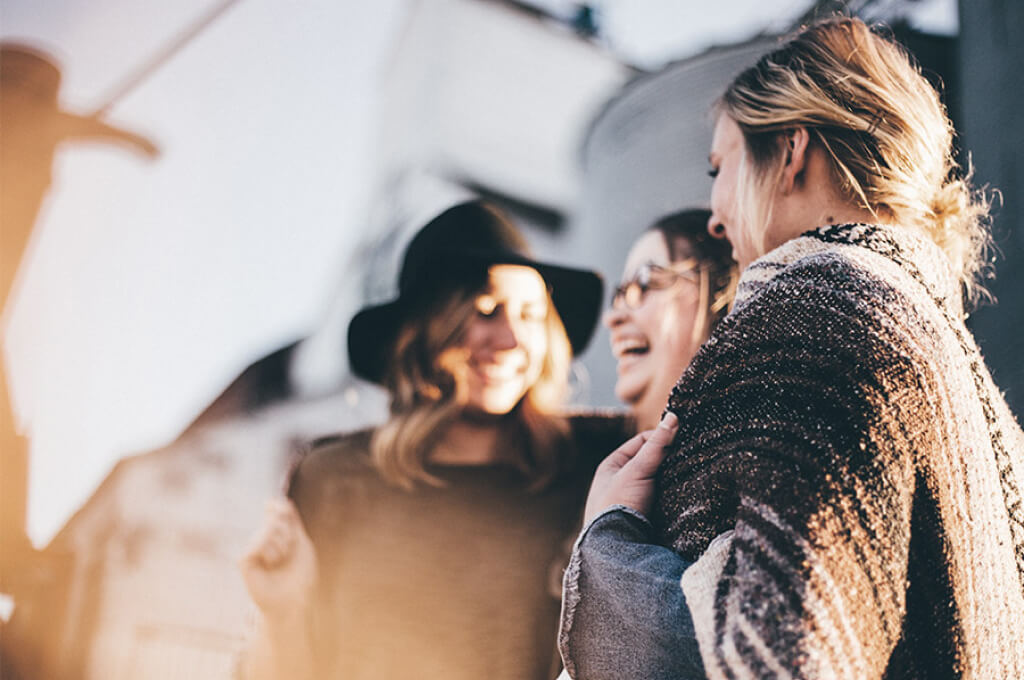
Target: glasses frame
(650, 276)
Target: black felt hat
(455, 249)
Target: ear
(796, 142)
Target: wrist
(286, 625)
(618, 519)
(618, 511)
(282, 647)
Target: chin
(630, 395)
(497, 404)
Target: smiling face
(655, 341)
(501, 353)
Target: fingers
(622, 455)
(626, 476)
(276, 542)
(644, 464)
(284, 512)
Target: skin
(500, 354)
(502, 349)
(654, 343)
(280, 573)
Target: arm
(799, 426)
(623, 611)
(280, 574)
(624, 616)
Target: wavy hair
(889, 140)
(427, 397)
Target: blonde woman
(840, 495)
(430, 547)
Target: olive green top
(454, 582)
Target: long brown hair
(426, 397)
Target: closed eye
(534, 313)
(486, 306)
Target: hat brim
(71, 126)
(576, 294)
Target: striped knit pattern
(842, 423)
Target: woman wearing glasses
(676, 285)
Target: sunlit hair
(863, 100)
(427, 397)
(686, 238)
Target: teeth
(628, 346)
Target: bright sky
(150, 285)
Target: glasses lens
(652, 277)
(634, 294)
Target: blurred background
(176, 325)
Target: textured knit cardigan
(842, 425)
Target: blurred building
(154, 591)
(482, 97)
(645, 156)
(990, 60)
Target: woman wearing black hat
(431, 546)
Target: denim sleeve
(624, 615)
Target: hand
(626, 476)
(279, 567)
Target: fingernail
(669, 420)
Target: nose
(504, 334)
(715, 227)
(614, 315)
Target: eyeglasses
(651, 276)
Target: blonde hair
(863, 100)
(427, 397)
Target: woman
(676, 285)
(842, 497)
(429, 547)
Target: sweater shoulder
(334, 457)
(817, 295)
(340, 447)
(832, 269)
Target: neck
(846, 214)
(470, 442)
(647, 410)
(813, 200)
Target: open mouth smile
(628, 349)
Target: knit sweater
(842, 424)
